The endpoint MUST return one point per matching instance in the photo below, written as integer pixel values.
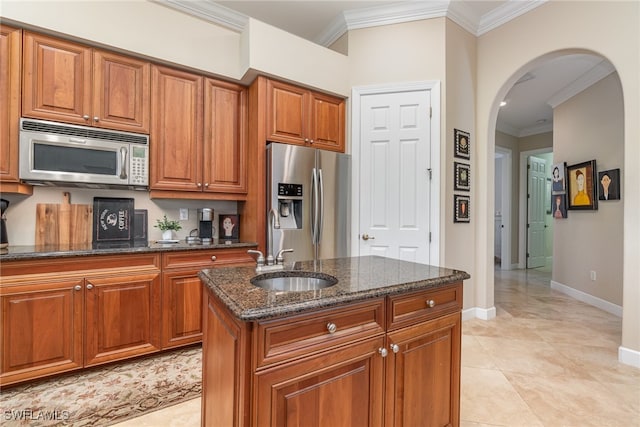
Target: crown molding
(370, 17)
(591, 77)
(505, 13)
(209, 11)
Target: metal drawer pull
(213, 258)
(395, 348)
(89, 286)
(77, 287)
(331, 327)
(383, 351)
(431, 303)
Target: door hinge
(430, 112)
(430, 172)
(527, 254)
(429, 237)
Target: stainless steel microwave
(53, 153)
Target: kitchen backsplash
(21, 213)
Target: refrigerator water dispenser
(290, 199)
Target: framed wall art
(461, 208)
(558, 178)
(461, 177)
(559, 205)
(609, 185)
(462, 142)
(581, 180)
(229, 228)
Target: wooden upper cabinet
(122, 91)
(72, 83)
(303, 117)
(176, 130)
(10, 67)
(198, 136)
(225, 134)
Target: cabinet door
(57, 80)
(287, 111)
(176, 130)
(338, 388)
(10, 66)
(121, 92)
(122, 317)
(423, 377)
(225, 128)
(41, 329)
(181, 308)
(327, 122)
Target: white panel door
(394, 175)
(537, 183)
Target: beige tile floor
(545, 360)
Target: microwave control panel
(139, 165)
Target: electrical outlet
(184, 214)
(592, 274)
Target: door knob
(367, 237)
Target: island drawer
(298, 336)
(424, 305)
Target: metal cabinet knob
(89, 286)
(431, 303)
(395, 348)
(306, 140)
(331, 327)
(311, 141)
(96, 119)
(199, 184)
(77, 287)
(213, 258)
(383, 351)
(367, 237)
(206, 185)
(86, 117)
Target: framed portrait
(462, 144)
(581, 184)
(559, 178)
(461, 177)
(559, 206)
(229, 228)
(609, 185)
(461, 208)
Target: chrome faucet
(270, 263)
(273, 222)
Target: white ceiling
(529, 108)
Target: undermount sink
(293, 281)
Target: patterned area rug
(106, 395)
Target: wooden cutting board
(63, 224)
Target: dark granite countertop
(359, 278)
(13, 253)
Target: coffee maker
(205, 226)
(4, 240)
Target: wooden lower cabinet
(368, 372)
(41, 328)
(182, 291)
(122, 317)
(423, 377)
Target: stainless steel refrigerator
(310, 192)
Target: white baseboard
(589, 299)
(629, 357)
(478, 313)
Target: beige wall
(592, 240)
(504, 54)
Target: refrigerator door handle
(321, 207)
(314, 207)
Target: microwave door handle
(123, 163)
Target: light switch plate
(184, 214)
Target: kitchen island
(380, 347)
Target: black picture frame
(228, 228)
(609, 189)
(462, 144)
(461, 208)
(581, 186)
(461, 176)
